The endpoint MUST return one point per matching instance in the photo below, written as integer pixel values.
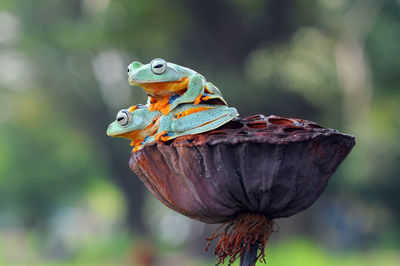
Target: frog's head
(158, 70)
(134, 125)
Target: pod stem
(249, 256)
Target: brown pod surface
(273, 166)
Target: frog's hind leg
(214, 99)
(210, 125)
(212, 89)
(160, 135)
(201, 122)
(211, 95)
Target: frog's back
(183, 71)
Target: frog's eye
(127, 70)
(124, 118)
(158, 66)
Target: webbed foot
(201, 98)
(137, 148)
(133, 108)
(161, 105)
(160, 135)
(165, 110)
(152, 107)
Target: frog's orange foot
(198, 99)
(133, 108)
(165, 110)
(165, 138)
(205, 98)
(137, 147)
(135, 142)
(152, 107)
(159, 136)
(201, 98)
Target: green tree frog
(143, 126)
(169, 85)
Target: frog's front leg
(160, 135)
(195, 89)
(194, 120)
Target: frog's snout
(109, 130)
(132, 81)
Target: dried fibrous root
(239, 233)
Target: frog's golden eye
(124, 118)
(158, 66)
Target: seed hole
(292, 129)
(257, 125)
(243, 133)
(218, 133)
(280, 121)
(255, 119)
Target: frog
(169, 85)
(142, 126)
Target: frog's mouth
(133, 82)
(132, 135)
(163, 88)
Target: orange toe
(164, 138)
(136, 148)
(159, 135)
(165, 110)
(132, 108)
(152, 107)
(198, 99)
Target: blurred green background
(67, 196)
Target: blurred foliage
(300, 252)
(62, 80)
(295, 252)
